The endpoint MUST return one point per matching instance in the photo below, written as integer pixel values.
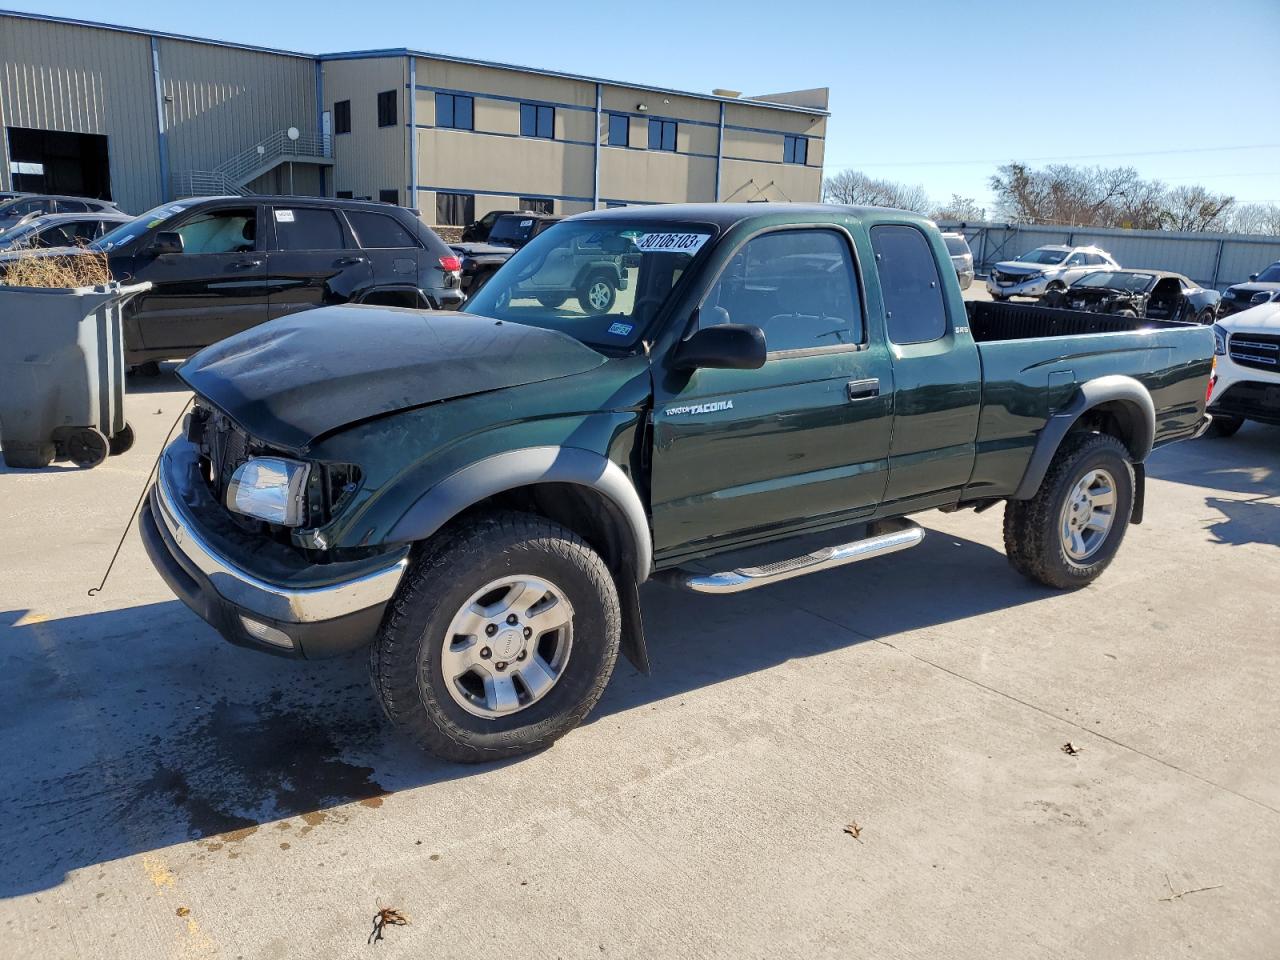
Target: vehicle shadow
(1245, 521)
(129, 730)
(1249, 462)
(166, 381)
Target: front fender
(521, 468)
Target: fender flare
(519, 468)
(1140, 425)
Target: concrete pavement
(167, 795)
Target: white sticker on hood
(689, 243)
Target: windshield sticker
(284, 216)
(156, 221)
(526, 223)
(689, 243)
(622, 329)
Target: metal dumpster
(62, 374)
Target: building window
(537, 121)
(662, 135)
(387, 108)
(455, 209)
(455, 111)
(342, 116)
(389, 196)
(344, 194)
(537, 204)
(619, 130)
(795, 150)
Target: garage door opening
(50, 161)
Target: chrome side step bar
(889, 536)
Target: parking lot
(866, 762)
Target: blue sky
(922, 91)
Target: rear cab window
(956, 246)
(797, 285)
(915, 311)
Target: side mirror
(1253, 276)
(166, 241)
(726, 346)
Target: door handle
(863, 389)
(349, 261)
(245, 264)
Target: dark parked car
(1261, 288)
(476, 498)
(1154, 294)
(24, 205)
(60, 230)
(507, 234)
(220, 265)
(477, 231)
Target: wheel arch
(1115, 405)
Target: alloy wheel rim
(1088, 515)
(599, 295)
(507, 646)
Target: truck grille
(1258, 350)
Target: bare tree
(1261, 218)
(853, 187)
(1195, 208)
(960, 208)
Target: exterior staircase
(232, 176)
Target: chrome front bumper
(298, 607)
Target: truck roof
(725, 215)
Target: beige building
(141, 117)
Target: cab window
(909, 282)
(378, 231)
(798, 286)
(220, 231)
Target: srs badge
(713, 407)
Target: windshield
(1271, 274)
(512, 231)
(956, 246)
(139, 225)
(1113, 280)
(1044, 255)
(601, 282)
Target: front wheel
(501, 639)
(1223, 427)
(1068, 533)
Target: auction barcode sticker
(689, 243)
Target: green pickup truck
(476, 497)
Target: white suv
(1246, 376)
(1047, 268)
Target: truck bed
(1034, 358)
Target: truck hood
(293, 380)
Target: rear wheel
(597, 294)
(1068, 533)
(1223, 427)
(87, 447)
(551, 302)
(501, 639)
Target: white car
(1045, 269)
(1246, 374)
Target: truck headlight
(271, 489)
(1219, 340)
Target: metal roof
(406, 52)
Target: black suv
(506, 234)
(1260, 288)
(219, 265)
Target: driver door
(215, 287)
(802, 442)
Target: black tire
(1206, 317)
(151, 368)
(1057, 286)
(999, 298)
(122, 442)
(598, 293)
(87, 447)
(1032, 537)
(552, 302)
(406, 658)
(1223, 427)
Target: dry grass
(30, 269)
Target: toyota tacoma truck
(477, 497)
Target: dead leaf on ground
(1070, 749)
(184, 911)
(384, 918)
(853, 830)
